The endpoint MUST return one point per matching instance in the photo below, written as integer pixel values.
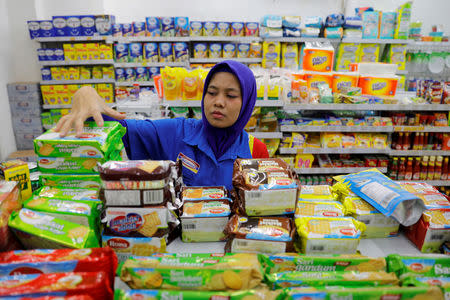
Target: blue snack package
(153, 26)
(139, 29)
(181, 52)
(127, 29)
(385, 195)
(41, 54)
(58, 54)
(165, 52)
(130, 74)
(121, 52)
(87, 25)
(73, 26)
(387, 25)
(34, 29)
(141, 74)
(273, 21)
(153, 71)
(334, 20)
(117, 30)
(135, 52)
(104, 23)
(151, 52)
(120, 74)
(59, 25)
(315, 22)
(46, 28)
(167, 26)
(291, 32)
(46, 74)
(181, 26)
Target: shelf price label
(408, 128)
(300, 150)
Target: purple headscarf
(220, 139)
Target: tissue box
(378, 85)
(318, 58)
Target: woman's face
(223, 100)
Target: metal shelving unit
(135, 39)
(418, 152)
(81, 81)
(237, 39)
(150, 64)
(332, 151)
(216, 60)
(300, 39)
(267, 135)
(385, 107)
(331, 128)
(56, 39)
(375, 41)
(76, 62)
(335, 170)
(130, 83)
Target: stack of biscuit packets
(433, 228)
(139, 215)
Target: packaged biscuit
(365, 293)
(209, 28)
(260, 164)
(316, 193)
(324, 263)
(338, 278)
(138, 222)
(429, 266)
(204, 221)
(260, 234)
(193, 193)
(58, 261)
(319, 209)
(441, 281)
(429, 195)
(95, 142)
(39, 230)
(70, 180)
(142, 197)
(327, 235)
(126, 247)
(239, 271)
(262, 193)
(68, 194)
(385, 195)
(94, 284)
(378, 85)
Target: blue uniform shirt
(173, 139)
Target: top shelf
(54, 39)
(378, 107)
(375, 41)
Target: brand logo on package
(188, 163)
(118, 243)
(125, 224)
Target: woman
(207, 147)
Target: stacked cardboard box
(25, 104)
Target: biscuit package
(441, 281)
(64, 165)
(265, 164)
(96, 142)
(324, 263)
(429, 266)
(239, 271)
(316, 193)
(70, 180)
(39, 230)
(319, 209)
(68, 193)
(345, 279)
(204, 221)
(319, 235)
(94, 284)
(260, 234)
(126, 247)
(194, 193)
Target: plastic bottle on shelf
(416, 169)
(444, 174)
(398, 144)
(393, 169)
(430, 174)
(409, 169)
(401, 169)
(438, 168)
(424, 168)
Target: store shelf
(135, 39)
(331, 128)
(237, 39)
(197, 103)
(137, 106)
(401, 72)
(428, 45)
(267, 135)
(216, 60)
(418, 152)
(130, 83)
(434, 182)
(300, 39)
(61, 106)
(332, 151)
(76, 62)
(84, 81)
(73, 39)
(393, 107)
(335, 170)
(269, 103)
(375, 41)
(151, 64)
(421, 128)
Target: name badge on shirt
(188, 162)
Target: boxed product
(344, 80)
(89, 194)
(326, 235)
(39, 230)
(378, 85)
(260, 234)
(318, 57)
(396, 54)
(313, 79)
(126, 247)
(10, 201)
(95, 142)
(204, 221)
(387, 25)
(239, 271)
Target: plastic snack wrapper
(94, 284)
(319, 209)
(327, 235)
(68, 193)
(260, 164)
(385, 195)
(70, 180)
(442, 282)
(198, 193)
(260, 234)
(418, 266)
(337, 278)
(316, 193)
(323, 263)
(75, 165)
(239, 271)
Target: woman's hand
(85, 103)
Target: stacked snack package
(183, 84)
(57, 215)
(204, 214)
(432, 229)
(263, 188)
(138, 196)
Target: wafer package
(385, 195)
(238, 271)
(261, 164)
(70, 180)
(260, 234)
(323, 263)
(90, 194)
(194, 193)
(62, 165)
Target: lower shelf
(335, 170)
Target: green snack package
(68, 194)
(443, 282)
(81, 212)
(71, 180)
(55, 115)
(47, 121)
(62, 165)
(194, 295)
(238, 271)
(324, 263)
(437, 265)
(403, 20)
(365, 293)
(342, 278)
(39, 230)
(180, 112)
(95, 142)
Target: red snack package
(59, 261)
(94, 284)
(77, 297)
(446, 93)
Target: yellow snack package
(348, 140)
(316, 193)
(92, 51)
(289, 159)
(331, 139)
(363, 140)
(272, 146)
(74, 73)
(298, 140)
(171, 78)
(97, 72)
(289, 56)
(303, 161)
(348, 53)
(379, 141)
(105, 51)
(396, 54)
(108, 72)
(319, 209)
(271, 54)
(329, 235)
(69, 52)
(369, 53)
(190, 84)
(56, 73)
(62, 94)
(48, 94)
(313, 140)
(85, 72)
